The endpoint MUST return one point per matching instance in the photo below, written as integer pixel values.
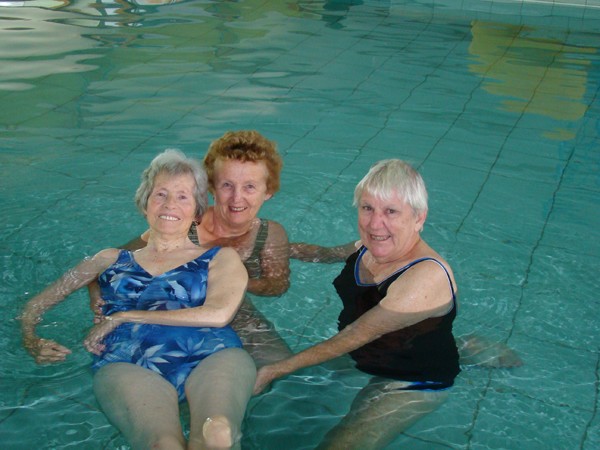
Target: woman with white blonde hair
(399, 303)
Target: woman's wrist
(284, 367)
(31, 341)
(117, 318)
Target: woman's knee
(218, 391)
(218, 433)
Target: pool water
(496, 104)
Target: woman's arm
(316, 253)
(422, 292)
(274, 263)
(370, 326)
(46, 350)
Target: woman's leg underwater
(218, 390)
(259, 336)
(379, 414)
(141, 404)
(479, 351)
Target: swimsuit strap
(398, 272)
(416, 261)
(261, 239)
(193, 233)
(259, 243)
(253, 262)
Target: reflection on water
(68, 47)
(332, 12)
(33, 44)
(87, 52)
(532, 74)
(47, 37)
(44, 37)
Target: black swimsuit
(424, 353)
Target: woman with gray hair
(399, 303)
(164, 335)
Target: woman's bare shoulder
(101, 260)
(108, 253)
(277, 232)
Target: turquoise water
(495, 103)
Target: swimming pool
(496, 103)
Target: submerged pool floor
(495, 103)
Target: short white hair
(394, 176)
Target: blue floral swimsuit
(171, 351)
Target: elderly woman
(399, 303)
(164, 334)
(244, 171)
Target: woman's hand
(48, 351)
(265, 376)
(94, 340)
(45, 350)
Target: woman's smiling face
(240, 190)
(389, 228)
(171, 205)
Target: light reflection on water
(34, 44)
(498, 111)
(518, 63)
